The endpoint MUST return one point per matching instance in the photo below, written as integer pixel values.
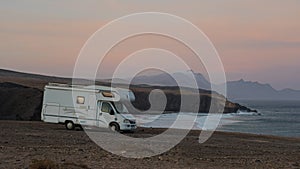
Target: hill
(164, 79)
(236, 90)
(247, 90)
(21, 95)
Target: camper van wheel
(70, 125)
(114, 127)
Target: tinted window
(106, 107)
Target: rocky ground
(25, 144)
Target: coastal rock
(21, 96)
(19, 102)
(173, 96)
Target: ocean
(278, 118)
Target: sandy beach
(26, 144)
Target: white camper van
(78, 105)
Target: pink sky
(258, 41)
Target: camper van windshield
(120, 107)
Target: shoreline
(163, 129)
(233, 133)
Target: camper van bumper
(128, 127)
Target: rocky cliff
(21, 96)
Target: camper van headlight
(126, 121)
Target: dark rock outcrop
(173, 97)
(19, 102)
(21, 96)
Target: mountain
(236, 90)
(29, 79)
(164, 79)
(21, 95)
(248, 90)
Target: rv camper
(79, 105)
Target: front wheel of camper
(114, 127)
(70, 125)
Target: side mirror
(112, 112)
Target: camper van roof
(106, 92)
(97, 87)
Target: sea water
(279, 118)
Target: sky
(256, 40)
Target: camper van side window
(106, 107)
(80, 100)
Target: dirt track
(36, 144)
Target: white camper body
(76, 105)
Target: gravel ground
(27, 144)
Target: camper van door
(92, 109)
(106, 113)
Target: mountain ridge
(21, 96)
(236, 90)
(249, 90)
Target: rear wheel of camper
(114, 127)
(69, 125)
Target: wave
(200, 122)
